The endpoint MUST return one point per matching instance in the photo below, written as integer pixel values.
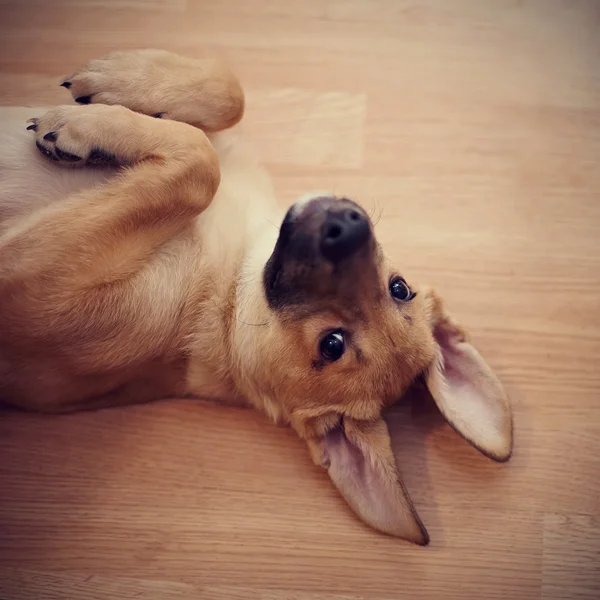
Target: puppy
(161, 274)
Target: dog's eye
(400, 291)
(332, 346)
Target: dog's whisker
(376, 221)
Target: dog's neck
(238, 233)
(251, 327)
(223, 346)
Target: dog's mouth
(319, 239)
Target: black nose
(344, 231)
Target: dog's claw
(50, 136)
(66, 84)
(34, 124)
(84, 100)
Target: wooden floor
(474, 128)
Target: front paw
(76, 136)
(157, 83)
(130, 79)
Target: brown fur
(144, 284)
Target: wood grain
(472, 129)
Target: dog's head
(346, 336)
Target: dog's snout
(344, 231)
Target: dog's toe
(45, 151)
(101, 158)
(66, 156)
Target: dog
(139, 261)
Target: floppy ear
(359, 459)
(466, 391)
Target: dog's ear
(359, 459)
(465, 389)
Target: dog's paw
(81, 135)
(161, 84)
(125, 78)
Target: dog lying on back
(161, 274)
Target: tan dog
(167, 278)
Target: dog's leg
(73, 265)
(200, 92)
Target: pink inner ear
(364, 471)
(346, 455)
(470, 396)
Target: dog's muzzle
(342, 225)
